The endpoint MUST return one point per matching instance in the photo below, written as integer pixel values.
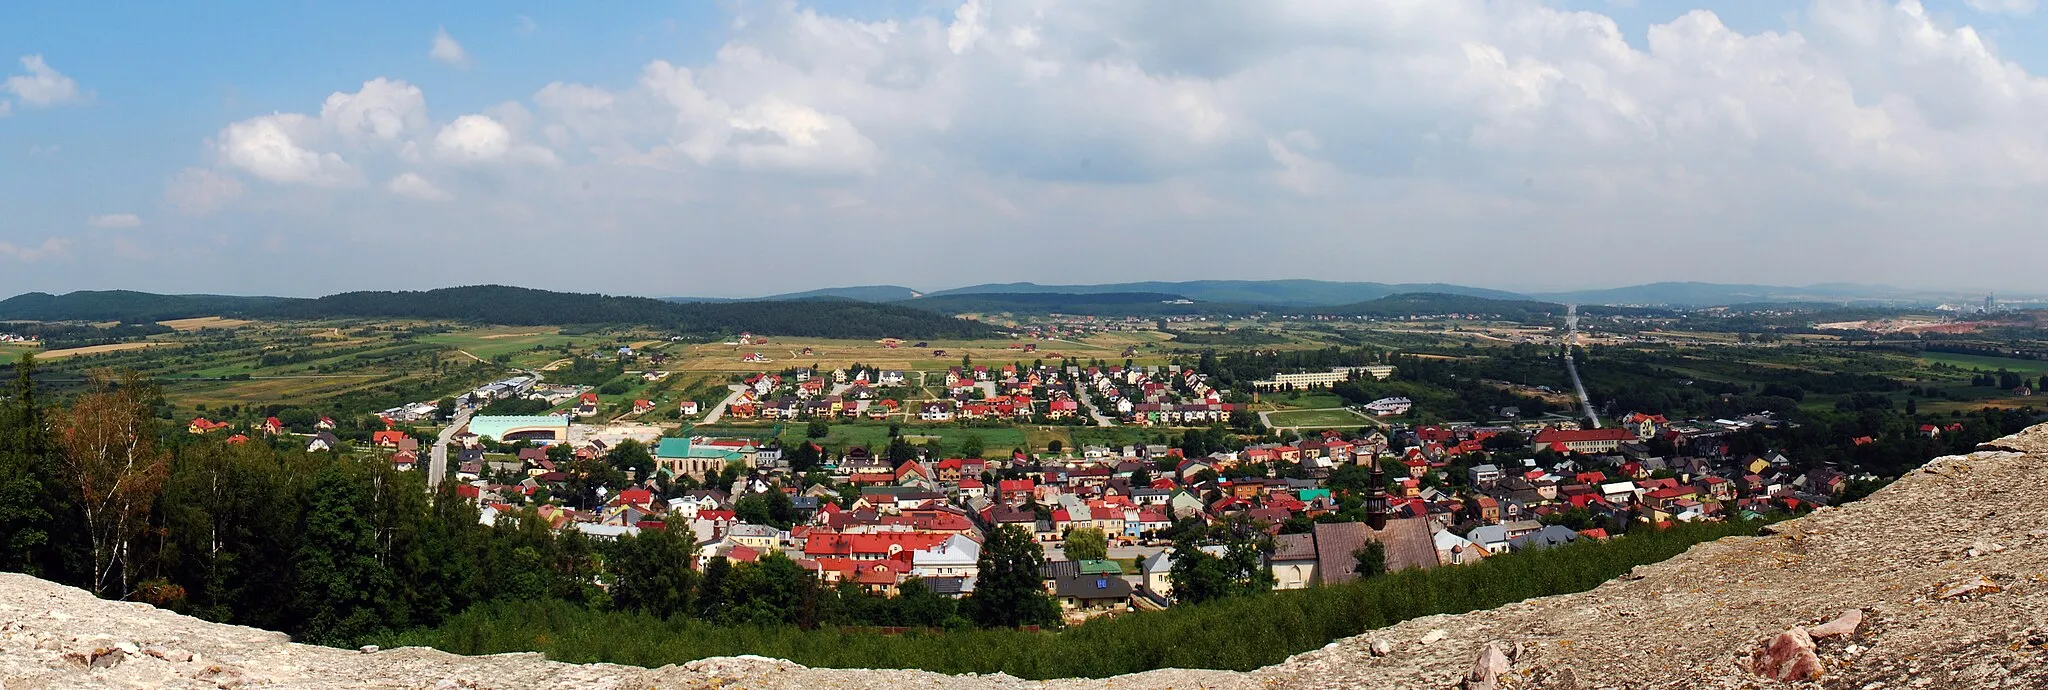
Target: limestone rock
(1788, 655)
(1488, 668)
(1845, 624)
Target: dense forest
(497, 304)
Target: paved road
(1081, 393)
(718, 411)
(1571, 339)
(437, 464)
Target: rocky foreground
(1939, 581)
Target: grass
(1318, 419)
(1241, 634)
(1309, 401)
(2023, 367)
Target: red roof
(1549, 436)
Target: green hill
(515, 306)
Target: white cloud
(42, 85)
(523, 24)
(199, 191)
(50, 248)
(1346, 125)
(115, 221)
(383, 109)
(448, 51)
(2017, 8)
(413, 186)
(268, 147)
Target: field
(832, 354)
(91, 350)
(2023, 367)
(517, 342)
(203, 323)
(1319, 419)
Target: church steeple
(1376, 499)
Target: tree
(818, 428)
(650, 573)
(1912, 407)
(1054, 446)
(342, 584)
(115, 470)
(1087, 544)
(972, 446)
(773, 509)
(1371, 559)
(24, 499)
(631, 456)
(1009, 592)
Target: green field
(1318, 419)
(487, 343)
(1301, 400)
(2023, 367)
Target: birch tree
(115, 469)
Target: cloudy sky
(753, 147)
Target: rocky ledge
(1938, 581)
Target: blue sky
(740, 148)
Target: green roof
(1101, 568)
(680, 448)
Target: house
(272, 427)
(1098, 586)
(1293, 562)
(1485, 476)
(1155, 573)
(323, 441)
(325, 424)
(643, 406)
(586, 405)
(1406, 540)
(202, 425)
(687, 407)
(389, 439)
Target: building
(536, 428)
(1583, 440)
(1334, 376)
(681, 456)
(1294, 561)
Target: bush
(1238, 633)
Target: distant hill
(124, 305)
(1091, 304)
(1696, 294)
(1435, 303)
(864, 293)
(1282, 293)
(498, 304)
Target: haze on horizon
(759, 147)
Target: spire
(1376, 499)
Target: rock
(1488, 668)
(171, 655)
(368, 649)
(1843, 625)
(1434, 636)
(1786, 656)
(98, 658)
(127, 647)
(1973, 585)
(1380, 647)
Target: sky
(747, 147)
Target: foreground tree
(115, 469)
(1009, 592)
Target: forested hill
(1437, 303)
(125, 305)
(1093, 304)
(514, 306)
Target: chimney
(1376, 499)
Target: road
(437, 463)
(718, 411)
(1571, 339)
(1081, 394)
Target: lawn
(487, 343)
(1318, 419)
(1303, 401)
